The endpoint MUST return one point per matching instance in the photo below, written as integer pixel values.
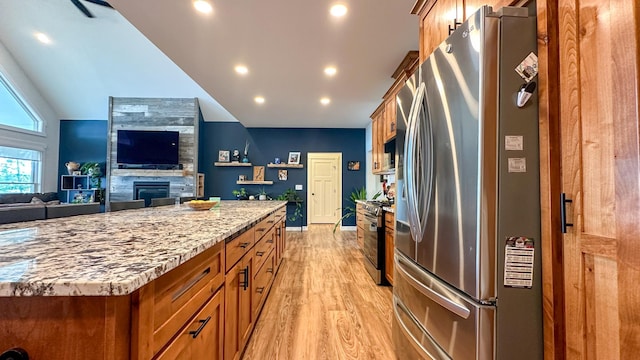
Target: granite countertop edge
(53, 258)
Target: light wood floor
(323, 304)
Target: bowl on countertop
(201, 204)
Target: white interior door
(324, 187)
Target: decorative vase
(72, 166)
(245, 158)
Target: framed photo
(242, 177)
(223, 156)
(258, 173)
(282, 175)
(353, 165)
(294, 157)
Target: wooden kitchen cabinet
(203, 337)
(238, 313)
(162, 308)
(389, 243)
(438, 18)
(377, 140)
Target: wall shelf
(248, 182)
(231, 164)
(290, 166)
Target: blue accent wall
(265, 144)
(82, 141)
(86, 140)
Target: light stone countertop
(114, 253)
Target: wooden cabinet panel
(236, 248)
(203, 337)
(262, 249)
(389, 237)
(435, 23)
(599, 87)
(264, 226)
(377, 141)
(262, 283)
(180, 292)
(238, 315)
(390, 117)
(280, 235)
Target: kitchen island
(124, 284)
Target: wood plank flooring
(323, 304)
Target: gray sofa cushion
(62, 210)
(26, 198)
(12, 214)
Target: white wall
(48, 141)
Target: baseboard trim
(348, 228)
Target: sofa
(39, 206)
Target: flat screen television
(143, 147)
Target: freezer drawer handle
(428, 292)
(397, 305)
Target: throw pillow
(36, 200)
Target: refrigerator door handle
(397, 307)
(411, 166)
(402, 265)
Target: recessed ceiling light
(241, 69)
(325, 101)
(338, 10)
(330, 70)
(203, 6)
(42, 38)
(258, 100)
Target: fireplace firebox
(148, 190)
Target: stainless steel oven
(374, 242)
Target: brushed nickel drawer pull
(244, 245)
(270, 241)
(259, 253)
(260, 290)
(190, 284)
(203, 323)
(270, 270)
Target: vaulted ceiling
(164, 48)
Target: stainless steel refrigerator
(467, 281)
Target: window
(13, 112)
(19, 170)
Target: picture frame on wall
(258, 173)
(353, 165)
(223, 156)
(294, 158)
(283, 175)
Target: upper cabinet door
(435, 23)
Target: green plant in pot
(93, 169)
(262, 194)
(349, 211)
(240, 194)
(292, 196)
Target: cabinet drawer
(263, 248)
(264, 226)
(262, 283)
(239, 246)
(178, 294)
(203, 337)
(280, 214)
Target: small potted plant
(262, 194)
(240, 194)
